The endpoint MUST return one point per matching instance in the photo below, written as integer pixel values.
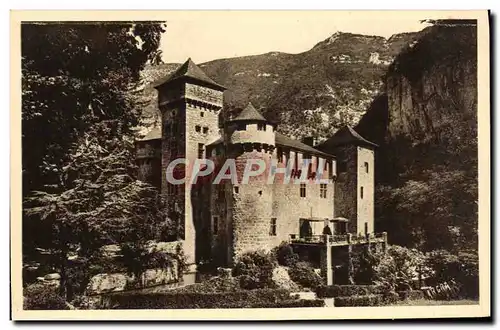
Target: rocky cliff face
(311, 93)
(430, 97)
(426, 125)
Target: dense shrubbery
(411, 295)
(42, 297)
(188, 300)
(398, 267)
(462, 268)
(255, 270)
(354, 301)
(333, 291)
(285, 255)
(212, 285)
(302, 273)
(292, 303)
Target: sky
(210, 35)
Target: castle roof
(189, 70)
(285, 141)
(344, 136)
(153, 134)
(249, 114)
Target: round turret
(251, 130)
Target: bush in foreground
(285, 255)
(334, 291)
(42, 297)
(188, 300)
(411, 295)
(355, 301)
(255, 270)
(302, 273)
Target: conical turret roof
(250, 114)
(189, 70)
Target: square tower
(355, 182)
(190, 103)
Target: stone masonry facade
(222, 221)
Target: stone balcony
(339, 240)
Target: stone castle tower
(245, 226)
(355, 184)
(189, 102)
(219, 221)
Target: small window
(197, 128)
(322, 190)
(302, 190)
(236, 190)
(241, 127)
(202, 114)
(200, 150)
(216, 225)
(366, 228)
(272, 230)
(366, 167)
(205, 130)
(261, 126)
(280, 155)
(361, 192)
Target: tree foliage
(75, 75)
(80, 110)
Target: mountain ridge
(311, 93)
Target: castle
(222, 221)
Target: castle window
(236, 190)
(200, 150)
(280, 155)
(366, 167)
(272, 230)
(205, 130)
(302, 190)
(366, 228)
(216, 225)
(202, 114)
(261, 126)
(241, 127)
(197, 128)
(361, 192)
(322, 190)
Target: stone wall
(346, 186)
(366, 181)
(201, 127)
(251, 208)
(289, 206)
(116, 282)
(252, 135)
(148, 155)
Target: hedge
(411, 295)
(355, 301)
(333, 291)
(188, 300)
(292, 303)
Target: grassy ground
(425, 302)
